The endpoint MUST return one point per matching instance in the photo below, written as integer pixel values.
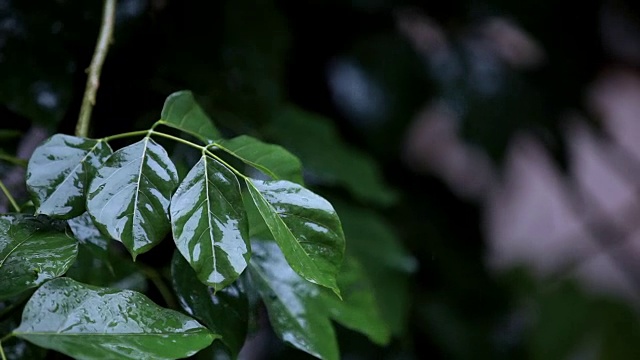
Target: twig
(93, 80)
(9, 197)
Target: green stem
(204, 149)
(6, 337)
(8, 195)
(13, 160)
(125, 135)
(2, 355)
(93, 80)
(157, 281)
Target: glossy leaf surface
(209, 223)
(305, 226)
(86, 232)
(295, 312)
(273, 160)
(329, 158)
(32, 251)
(129, 196)
(224, 313)
(57, 173)
(181, 111)
(358, 309)
(89, 322)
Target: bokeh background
(483, 154)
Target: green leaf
(86, 232)
(32, 251)
(182, 112)
(89, 322)
(329, 158)
(305, 226)
(129, 196)
(273, 160)
(209, 223)
(358, 310)
(57, 173)
(296, 314)
(225, 312)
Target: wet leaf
(296, 314)
(305, 226)
(273, 160)
(57, 173)
(32, 251)
(89, 322)
(209, 223)
(358, 310)
(129, 196)
(225, 312)
(182, 112)
(86, 232)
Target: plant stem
(157, 281)
(204, 149)
(93, 80)
(13, 160)
(8, 195)
(2, 355)
(127, 134)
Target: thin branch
(8, 195)
(93, 80)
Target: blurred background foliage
(339, 83)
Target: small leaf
(89, 322)
(358, 310)
(305, 226)
(32, 251)
(57, 173)
(224, 313)
(129, 196)
(295, 312)
(272, 160)
(182, 112)
(209, 223)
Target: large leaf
(296, 314)
(209, 223)
(305, 226)
(89, 322)
(57, 173)
(272, 160)
(32, 251)
(182, 112)
(129, 196)
(329, 158)
(358, 310)
(225, 312)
